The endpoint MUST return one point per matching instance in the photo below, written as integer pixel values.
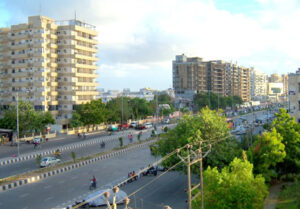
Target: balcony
(86, 57)
(87, 66)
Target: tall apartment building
(49, 63)
(294, 94)
(259, 84)
(217, 76)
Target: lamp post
(18, 142)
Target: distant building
(193, 75)
(144, 93)
(259, 84)
(294, 94)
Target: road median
(33, 176)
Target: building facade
(49, 63)
(217, 76)
(259, 84)
(294, 95)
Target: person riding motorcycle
(93, 183)
(57, 153)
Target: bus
(230, 123)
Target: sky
(138, 39)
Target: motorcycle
(102, 145)
(92, 185)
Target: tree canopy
(287, 127)
(90, 113)
(233, 187)
(214, 101)
(266, 152)
(29, 119)
(208, 126)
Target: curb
(32, 179)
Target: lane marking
(24, 195)
(47, 187)
(49, 198)
(61, 182)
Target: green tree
(208, 126)
(234, 187)
(91, 113)
(287, 127)
(29, 119)
(76, 120)
(267, 151)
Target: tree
(215, 101)
(267, 151)
(76, 120)
(208, 126)
(287, 127)
(91, 113)
(29, 119)
(234, 187)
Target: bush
(73, 155)
(38, 160)
(121, 141)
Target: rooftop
(75, 22)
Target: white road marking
(61, 182)
(49, 198)
(74, 177)
(24, 195)
(47, 187)
(25, 207)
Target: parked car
(140, 127)
(112, 128)
(148, 125)
(124, 126)
(133, 124)
(48, 161)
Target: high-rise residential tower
(49, 63)
(217, 76)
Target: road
(73, 185)
(29, 165)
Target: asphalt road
(73, 185)
(29, 165)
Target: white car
(148, 125)
(133, 124)
(48, 161)
(37, 140)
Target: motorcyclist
(94, 182)
(102, 144)
(57, 153)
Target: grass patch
(39, 171)
(289, 197)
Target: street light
(18, 124)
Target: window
(299, 87)
(298, 120)
(299, 104)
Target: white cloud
(139, 38)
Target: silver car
(48, 161)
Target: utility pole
(18, 124)
(197, 157)
(122, 113)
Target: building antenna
(40, 7)
(75, 14)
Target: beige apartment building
(217, 76)
(294, 95)
(258, 84)
(49, 63)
